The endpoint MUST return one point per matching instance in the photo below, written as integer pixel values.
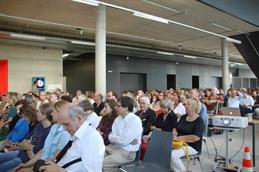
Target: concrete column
(225, 69)
(100, 50)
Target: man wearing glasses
(125, 137)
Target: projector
(230, 121)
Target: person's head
(44, 112)
(192, 106)
(109, 108)
(144, 102)
(42, 96)
(195, 93)
(13, 97)
(56, 110)
(73, 117)
(243, 90)
(28, 113)
(58, 91)
(161, 96)
(98, 97)
(53, 98)
(111, 95)
(4, 99)
(175, 97)
(67, 98)
(214, 91)
(234, 93)
(125, 105)
(86, 105)
(78, 93)
(140, 92)
(166, 106)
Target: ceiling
(62, 20)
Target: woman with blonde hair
(189, 129)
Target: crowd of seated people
(125, 124)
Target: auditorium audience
(54, 143)
(33, 142)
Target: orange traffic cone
(247, 165)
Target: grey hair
(75, 110)
(145, 98)
(167, 103)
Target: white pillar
(225, 70)
(100, 50)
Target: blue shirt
(37, 137)
(56, 140)
(19, 131)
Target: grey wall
(155, 70)
(80, 74)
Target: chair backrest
(159, 149)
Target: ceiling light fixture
(83, 43)
(220, 26)
(88, 2)
(190, 57)
(24, 36)
(65, 55)
(165, 53)
(153, 3)
(150, 17)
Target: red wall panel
(3, 76)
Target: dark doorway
(133, 81)
(195, 82)
(171, 81)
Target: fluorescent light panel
(165, 53)
(65, 55)
(88, 2)
(150, 17)
(190, 57)
(161, 6)
(24, 36)
(83, 43)
(220, 26)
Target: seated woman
(189, 129)
(32, 144)
(54, 143)
(164, 122)
(108, 114)
(21, 127)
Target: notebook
(228, 111)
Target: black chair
(158, 154)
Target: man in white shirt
(234, 100)
(125, 137)
(246, 102)
(91, 117)
(87, 147)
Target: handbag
(179, 144)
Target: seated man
(125, 137)
(90, 116)
(146, 114)
(85, 151)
